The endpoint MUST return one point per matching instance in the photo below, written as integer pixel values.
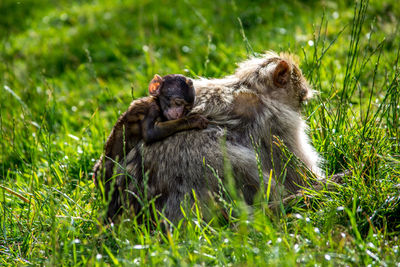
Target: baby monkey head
(175, 94)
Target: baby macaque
(150, 119)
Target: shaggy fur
(246, 109)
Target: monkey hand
(197, 121)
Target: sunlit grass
(67, 70)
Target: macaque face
(175, 107)
(176, 96)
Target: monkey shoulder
(247, 104)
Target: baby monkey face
(175, 94)
(175, 107)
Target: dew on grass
(35, 124)
(372, 255)
(335, 15)
(282, 30)
(204, 254)
(301, 259)
(310, 42)
(186, 49)
(99, 257)
(73, 137)
(298, 216)
(140, 246)
(327, 257)
(316, 230)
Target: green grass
(68, 69)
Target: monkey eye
(179, 102)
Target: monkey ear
(155, 85)
(281, 74)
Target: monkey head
(277, 77)
(175, 94)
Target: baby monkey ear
(155, 85)
(189, 82)
(281, 74)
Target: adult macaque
(256, 109)
(150, 119)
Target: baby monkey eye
(179, 102)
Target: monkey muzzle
(174, 113)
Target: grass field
(69, 68)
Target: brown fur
(145, 121)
